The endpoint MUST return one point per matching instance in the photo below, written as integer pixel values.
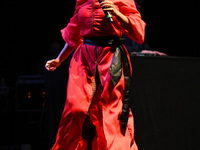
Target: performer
(96, 114)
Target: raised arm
(109, 6)
(128, 16)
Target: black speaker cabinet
(165, 97)
(30, 92)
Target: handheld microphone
(107, 13)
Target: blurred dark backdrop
(28, 30)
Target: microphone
(107, 13)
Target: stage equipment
(30, 93)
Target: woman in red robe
(96, 114)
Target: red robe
(89, 21)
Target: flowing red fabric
(89, 21)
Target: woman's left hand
(109, 6)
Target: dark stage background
(165, 89)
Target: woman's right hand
(51, 65)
